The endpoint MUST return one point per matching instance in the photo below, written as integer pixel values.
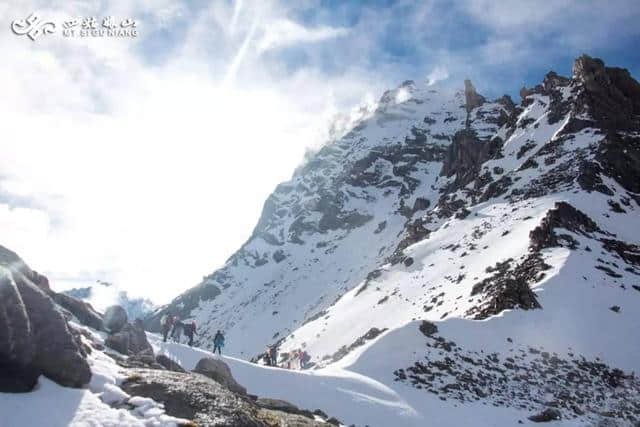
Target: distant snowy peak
(104, 294)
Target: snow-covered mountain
(472, 249)
(101, 295)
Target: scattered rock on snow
(549, 414)
(428, 328)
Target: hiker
(273, 355)
(166, 322)
(295, 360)
(218, 342)
(304, 359)
(286, 359)
(267, 357)
(189, 330)
(178, 326)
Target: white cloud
(284, 32)
(151, 175)
(439, 73)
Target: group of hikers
(295, 359)
(173, 327)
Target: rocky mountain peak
(590, 70)
(611, 95)
(472, 98)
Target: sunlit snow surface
(361, 390)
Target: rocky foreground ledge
(58, 336)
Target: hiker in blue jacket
(218, 342)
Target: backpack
(164, 319)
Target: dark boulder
(549, 414)
(118, 342)
(34, 336)
(115, 317)
(169, 364)
(219, 371)
(131, 340)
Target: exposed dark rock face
(465, 156)
(415, 232)
(219, 371)
(562, 216)
(611, 95)
(497, 188)
(206, 402)
(34, 336)
(619, 157)
(115, 318)
(472, 98)
(509, 288)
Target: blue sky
(499, 45)
(147, 160)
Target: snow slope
(361, 390)
(337, 219)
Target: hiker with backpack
(166, 322)
(273, 355)
(178, 326)
(304, 359)
(189, 331)
(218, 342)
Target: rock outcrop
(219, 371)
(611, 96)
(130, 340)
(83, 311)
(34, 336)
(169, 364)
(207, 402)
(115, 318)
(472, 98)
